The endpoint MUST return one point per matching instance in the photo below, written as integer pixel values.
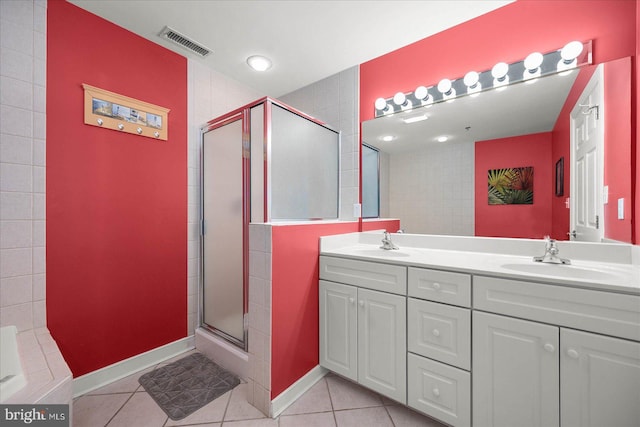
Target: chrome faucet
(387, 244)
(551, 252)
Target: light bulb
(381, 104)
(399, 98)
(471, 79)
(500, 70)
(421, 93)
(533, 62)
(571, 51)
(444, 86)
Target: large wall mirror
(527, 138)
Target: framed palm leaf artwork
(511, 186)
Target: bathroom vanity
(471, 331)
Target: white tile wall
(433, 189)
(334, 101)
(22, 163)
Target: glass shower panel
(304, 168)
(370, 182)
(222, 189)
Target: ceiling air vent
(184, 41)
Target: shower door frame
(244, 113)
(234, 116)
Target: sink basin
(567, 271)
(381, 253)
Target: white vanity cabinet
(363, 331)
(536, 370)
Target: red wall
(294, 300)
(530, 221)
(391, 225)
(617, 155)
(635, 116)
(507, 34)
(116, 203)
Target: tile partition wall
(210, 95)
(334, 100)
(259, 381)
(22, 163)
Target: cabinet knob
(436, 392)
(436, 333)
(572, 353)
(352, 300)
(361, 303)
(436, 286)
(549, 347)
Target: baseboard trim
(103, 376)
(297, 389)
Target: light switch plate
(357, 210)
(621, 208)
(605, 195)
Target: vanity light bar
(572, 55)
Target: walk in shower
(264, 162)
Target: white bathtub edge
(295, 390)
(96, 379)
(10, 363)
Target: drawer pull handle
(572, 353)
(436, 286)
(549, 347)
(436, 333)
(436, 392)
(352, 301)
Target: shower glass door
(224, 227)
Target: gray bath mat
(184, 386)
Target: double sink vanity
(472, 331)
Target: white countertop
(585, 273)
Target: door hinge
(202, 228)
(597, 222)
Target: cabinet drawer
(438, 390)
(372, 275)
(596, 311)
(440, 332)
(440, 286)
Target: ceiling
(520, 109)
(306, 40)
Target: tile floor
(331, 402)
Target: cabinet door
(515, 372)
(382, 343)
(338, 329)
(600, 380)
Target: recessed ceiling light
(442, 138)
(259, 62)
(387, 138)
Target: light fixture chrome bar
(562, 60)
